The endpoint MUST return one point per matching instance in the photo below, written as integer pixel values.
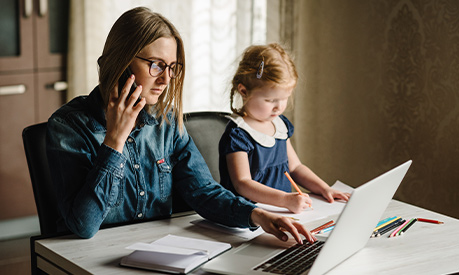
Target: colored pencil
(398, 229)
(427, 220)
(386, 223)
(412, 221)
(323, 226)
(294, 185)
(326, 229)
(385, 220)
(390, 224)
(403, 227)
(390, 227)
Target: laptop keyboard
(293, 260)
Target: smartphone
(124, 77)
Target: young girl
(255, 149)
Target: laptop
(352, 231)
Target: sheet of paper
(320, 207)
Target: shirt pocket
(117, 193)
(165, 178)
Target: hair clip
(260, 69)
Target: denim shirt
(96, 185)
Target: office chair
(206, 129)
(34, 139)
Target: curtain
(214, 33)
(378, 86)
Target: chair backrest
(206, 129)
(34, 139)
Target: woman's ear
(242, 90)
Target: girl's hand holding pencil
(296, 202)
(304, 197)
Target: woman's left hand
(276, 225)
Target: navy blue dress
(267, 155)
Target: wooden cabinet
(33, 47)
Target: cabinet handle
(43, 7)
(58, 86)
(13, 89)
(28, 8)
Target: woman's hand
(121, 114)
(331, 194)
(296, 202)
(276, 225)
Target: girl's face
(163, 49)
(266, 102)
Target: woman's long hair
(133, 31)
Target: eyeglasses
(157, 67)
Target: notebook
(173, 254)
(351, 233)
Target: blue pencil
(326, 229)
(385, 220)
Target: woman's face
(163, 49)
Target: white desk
(424, 249)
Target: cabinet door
(51, 22)
(51, 93)
(17, 110)
(16, 35)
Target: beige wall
(380, 85)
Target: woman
(115, 158)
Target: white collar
(263, 139)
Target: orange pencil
(294, 185)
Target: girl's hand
(296, 202)
(276, 225)
(331, 194)
(121, 114)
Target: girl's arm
(239, 171)
(309, 180)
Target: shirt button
(142, 193)
(140, 215)
(121, 165)
(136, 166)
(130, 140)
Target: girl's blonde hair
(133, 31)
(263, 65)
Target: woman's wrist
(256, 216)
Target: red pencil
(427, 220)
(323, 226)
